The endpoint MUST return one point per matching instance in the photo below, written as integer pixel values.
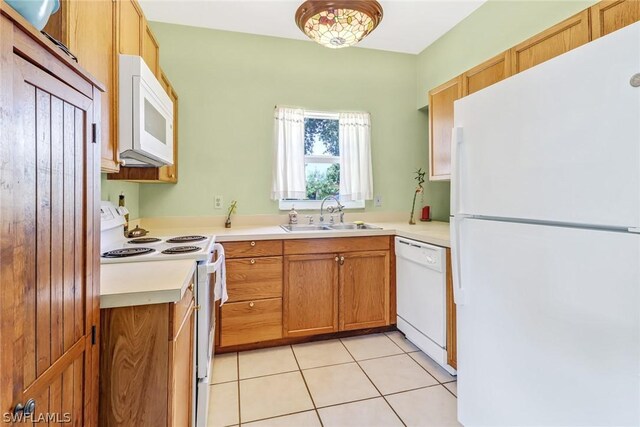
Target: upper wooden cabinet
(559, 39)
(150, 50)
(610, 15)
(440, 124)
(364, 290)
(87, 29)
(484, 75)
(130, 25)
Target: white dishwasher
(421, 297)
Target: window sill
(314, 205)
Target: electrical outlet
(377, 201)
(218, 202)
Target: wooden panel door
(440, 124)
(310, 295)
(610, 15)
(48, 246)
(150, 50)
(182, 368)
(484, 75)
(364, 290)
(130, 24)
(559, 39)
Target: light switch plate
(377, 201)
(218, 202)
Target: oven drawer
(254, 278)
(252, 248)
(251, 321)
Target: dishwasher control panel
(430, 256)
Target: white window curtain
(356, 179)
(288, 158)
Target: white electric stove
(116, 248)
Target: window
(321, 162)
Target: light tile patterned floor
(373, 380)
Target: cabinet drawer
(251, 321)
(336, 245)
(180, 309)
(254, 278)
(253, 248)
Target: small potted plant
(419, 190)
(232, 209)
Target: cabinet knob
(27, 409)
(173, 175)
(253, 261)
(251, 304)
(337, 259)
(191, 287)
(197, 307)
(252, 244)
(341, 260)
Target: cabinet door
(87, 28)
(559, 39)
(310, 295)
(364, 290)
(48, 251)
(182, 367)
(170, 173)
(130, 27)
(484, 75)
(440, 124)
(610, 15)
(150, 50)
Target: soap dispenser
(293, 216)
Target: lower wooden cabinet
(250, 321)
(364, 290)
(310, 294)
(147, 364)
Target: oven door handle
(214, 267)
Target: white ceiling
(408, 25)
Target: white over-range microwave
(145, 119)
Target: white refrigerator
(545, 200)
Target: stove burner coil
(186, 239)
(181, 250)
(143, 240)
(127, 252)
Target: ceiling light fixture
(337, 24)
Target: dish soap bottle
(293, 216)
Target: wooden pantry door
(48, 248)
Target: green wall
(494, 27)
(228, 84)
(112, 189)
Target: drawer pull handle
(253, 261)
(251, 304)
(253, 244)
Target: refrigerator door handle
(459, 295)
(456, 140)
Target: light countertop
(434, 232)
(147, 282)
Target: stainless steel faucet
(331, 208)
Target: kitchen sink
(311, 227)
(327, 227)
